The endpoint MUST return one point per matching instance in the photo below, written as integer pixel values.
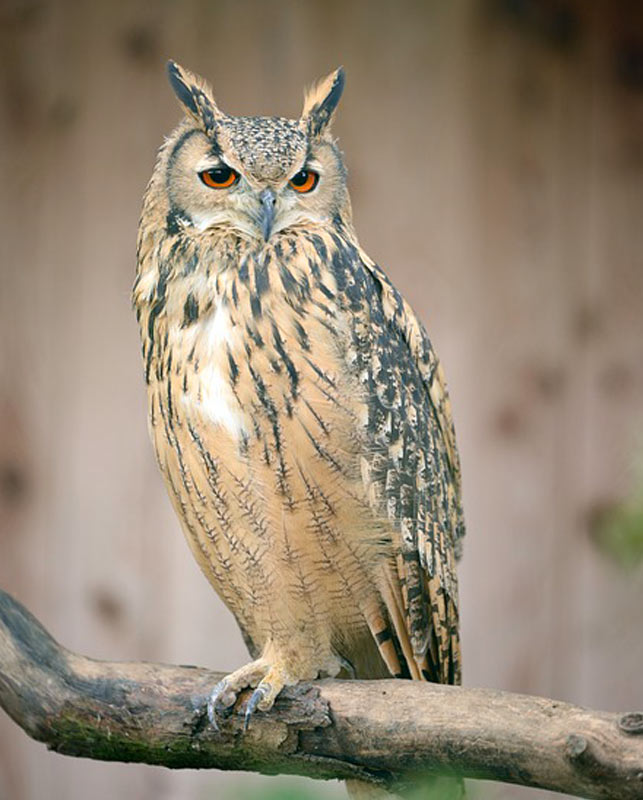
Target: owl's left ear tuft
(195, 95)
(321, 101)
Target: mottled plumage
(298, 411)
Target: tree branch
(382, 731)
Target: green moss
(620, 533)
(88, 738)
(618, 528)
(277, 793)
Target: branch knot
(631, 723)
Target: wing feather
(415, 467)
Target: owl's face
(255, 175)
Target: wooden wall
(496, 163)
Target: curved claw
(255, 698)
(217, 694)
(348, 667)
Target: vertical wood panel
(495, 167)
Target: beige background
(496, 161)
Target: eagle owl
(298, 411)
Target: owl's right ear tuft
(195, 95)
(321, 101)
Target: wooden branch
(380, 731)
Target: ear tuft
(179, 83)
(321, 101)
(194, 94)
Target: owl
(298, 411)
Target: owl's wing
(413, 475)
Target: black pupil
(300, 178)
(220, 174)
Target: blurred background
(495, 153)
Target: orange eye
(219, 177)
(304, 181)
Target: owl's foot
(264, 696)
(224, 695)
(269, 679)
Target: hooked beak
(268, 200)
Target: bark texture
(385, 732)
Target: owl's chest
(257, 424)
(262, 379)
(247, 378)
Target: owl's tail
(433, 789)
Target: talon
(218, 701)
(255, 698)
(212, 715)
(347, 667)
(269, 680)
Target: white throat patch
(213, 396)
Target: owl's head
(254, 175)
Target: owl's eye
(219, 177)
(304, 181)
